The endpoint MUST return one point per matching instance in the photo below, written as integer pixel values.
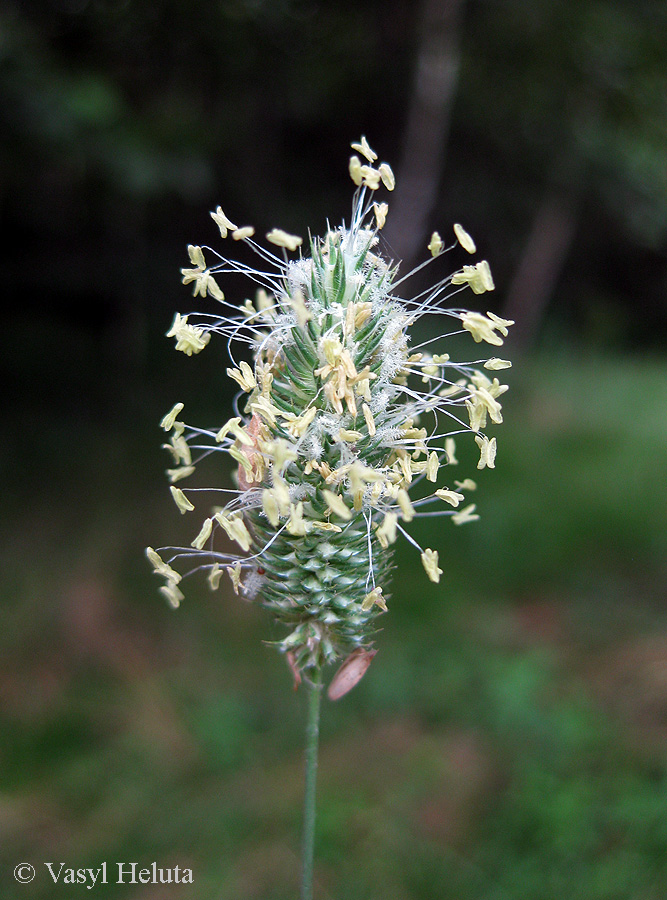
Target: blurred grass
(508, 741)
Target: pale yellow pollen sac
(214, 577)
(281, 493)
(464, 239)
(387, 532)
(380, 210)
(405, 466)
(355, 170)
(179, 449)
(223, 223)
(481, 328)
(337, 506)
(476, 413)
(244, 377)
(327, 473)
(242, 234)
(175, 475)
(467, 514)
(189, 339)
(296, 524)
(234, 573)
(430, 562)
(372, 599)
(371, 177)
(365, 150)
(248, 309)
(488, 400)
(495, 363)
(451, 497)
(349, 436)
(466, 485)
(283, 239)
(298, 303)
(196, 255)
(181, 500)
(265, 303)
(346, 364)
(450, 452)
(204, 281)
(487, 451)
(429, 370)
(377, 491)
(270, 506)
(332, 396)
(280, 453)
(265, 376)
(478, 277)
(161, 567)
(436, 245)
(299, 425)
(331, 348)
(235, 529)
(230, 426)
(173, 594)
(387, 176)
(441, 358)
(363, 388)
(453, 389)
(363, 312)
(499, 323)
(432, 466)
(203, 535)
(327, 526)
(407, 509)
(168, 422)
(370, 421)
(265, 410)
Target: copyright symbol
(24, 873)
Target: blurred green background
(510, 739)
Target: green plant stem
(314, 689)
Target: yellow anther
(374, 598)
(282, 239)
(464, 239)
(203, 535)
(168, 422)
(407, 509)
(181, 500)
(337, 506)
(430, 563)
(370, 421)
(244, 376)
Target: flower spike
(341, 432)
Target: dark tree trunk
(540, 266)
(427, 127)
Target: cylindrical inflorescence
(339, 421)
